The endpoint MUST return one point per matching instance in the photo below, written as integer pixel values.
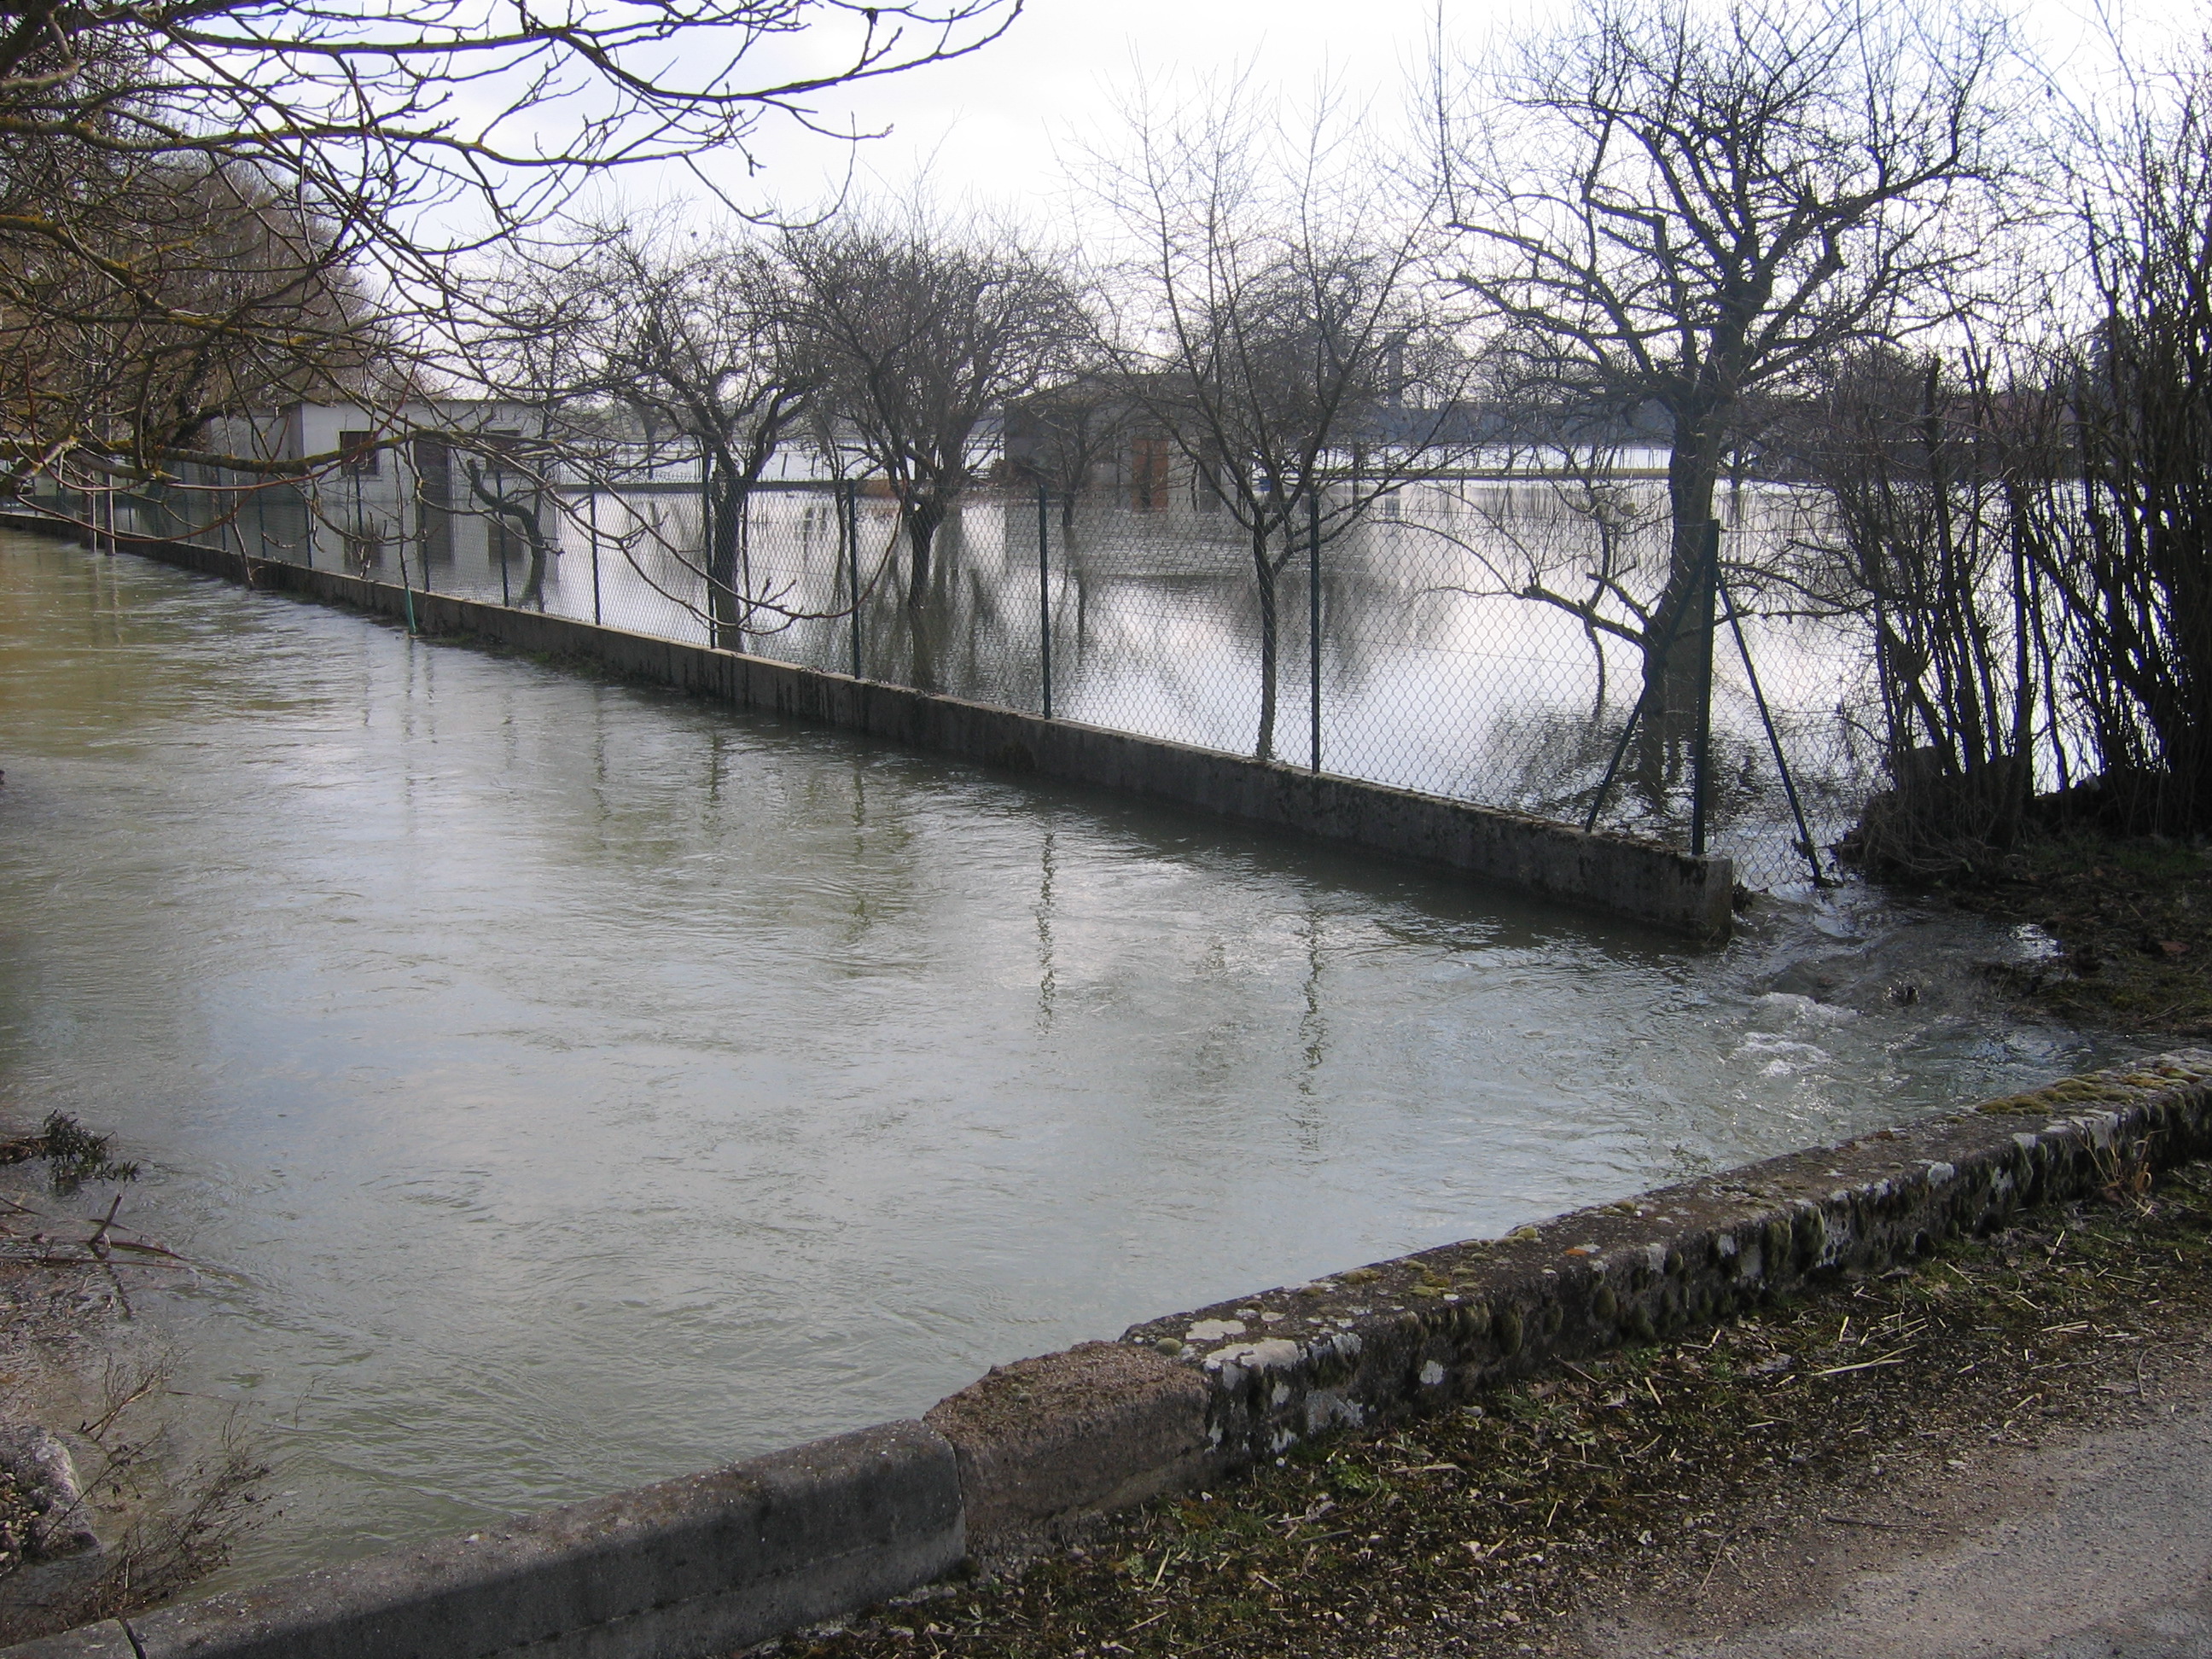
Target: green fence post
(1313, 617)
(848, 528)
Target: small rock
(37, 1468)
(1213, 1330)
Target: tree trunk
(532, 597)
(725, 528)
(1269, 628)
(1693, 468)
(923, 514)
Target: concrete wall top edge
(543, 1577)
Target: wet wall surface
(560, 1086)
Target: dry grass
(167, 1516)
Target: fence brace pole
(1773, 739)
(1702, 755)
(1044, 597)
(1313, 617)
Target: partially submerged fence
(1439, 646)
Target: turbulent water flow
(560, 1086)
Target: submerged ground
(2132, 922)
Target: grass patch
(73, 1155)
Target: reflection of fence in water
(1434, 674)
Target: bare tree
(1687, 209)
(257, 304)
(400, 138)
(1061, 436)
(693, 337)
(1278, 322)
(1936, 473)
(918, 330)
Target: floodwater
(1435, 672)
(559, 1085)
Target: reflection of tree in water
(1426, 684)
(1548, 760)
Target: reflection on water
(564, 1085)
(1437, 672)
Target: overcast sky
(993, 126)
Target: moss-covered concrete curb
(1424, 1331)
(699, 1566)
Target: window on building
(362, 459)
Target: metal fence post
(495, 525)
(591, 529)
(406, 585)
(707, 546)
(1702, 755)
(848, 531)
(1313, 617)
(1044, 598)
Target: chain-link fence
(1458, 639)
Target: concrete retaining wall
(1638, 880)
(687, 1567)
(698, 1566)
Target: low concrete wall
(694, 1567)
(688, 1567)
(1042, 1441)
(1638, 880)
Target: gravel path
(2092, 1546)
